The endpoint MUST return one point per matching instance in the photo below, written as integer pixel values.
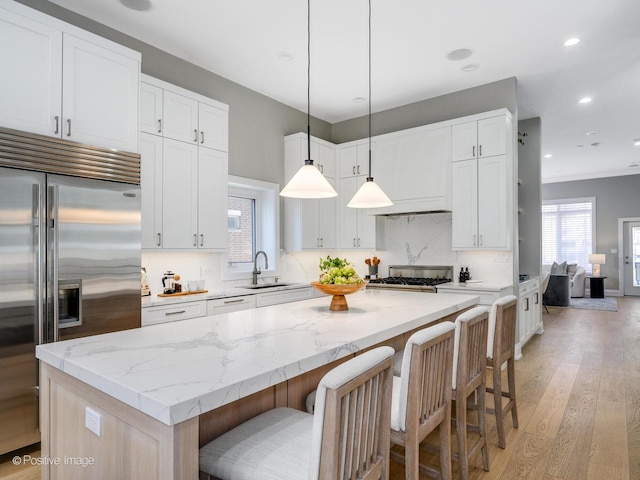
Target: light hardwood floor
(578, 390)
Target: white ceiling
(240, 40)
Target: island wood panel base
(131, 445)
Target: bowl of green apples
(338, 278)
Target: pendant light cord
(369, 178)
(308, 161)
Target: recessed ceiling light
(634, 164)
(636, 142)
(548, 155)
(359, 99)
(595, 144)
(139, 5)
(585, 100)
(285, 56)
(592, 133)
(571, 42)
(470, 67)
(459, 54)
(579, 146)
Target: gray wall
(500, 94)
(529, 196)
(616, 197)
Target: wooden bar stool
(422, 399)
(469, 382)
(347, 436)
(500, 349)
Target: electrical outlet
(93, 421)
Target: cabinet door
(213, 123)
(494, 203)
(180, 117)
(491, 136)
(309, 223)
(464, 139)
(435, 167)
(31, 95)
(151, 190)
(100, 97)
(327, 161)
(353, 161)
(366, 229)
(464, 204)
(327, 219)
(347, 217)
(150, 109)
(212, 199)
(179, 194)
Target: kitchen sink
(265, 285)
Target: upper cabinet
(182, 115)
(66, 82)
(354, 160)
(482, 185)
(479, 138)
(184, 179)
(310, 224)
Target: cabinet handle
(201, 136)
(195, 240)
(358, 242)
(159, 125)
(473, 151)
(354, 242)
(239, 300)
(195, 135)
(57, 119)
(202, 239)
(354, 169)
(474, 240)
(321, 242)
(480, 151)
(537, 299)
(480, 239)
(175, 313)
(321, 168)
(159, 238)
(68, 127)
(358, 169)
(526, 308)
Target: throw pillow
(559, 269)
(571, 269)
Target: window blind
(568, 231)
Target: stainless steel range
(419, 278)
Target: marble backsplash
(410, 240)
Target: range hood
(414, 207)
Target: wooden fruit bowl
(338, 302)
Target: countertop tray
(179, 294)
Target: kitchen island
(156, 394)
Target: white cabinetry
(173, 312)
(529, 313)
(184, 184)
(283, 296)
(482, 195)
(481, 138)
(65, 82)
(413, 168)
(231, 304)
(309, 224)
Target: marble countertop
(212, 294)
(480, 286)
(176, 371)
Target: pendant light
(370, 195)
(308, 182)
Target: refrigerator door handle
(38, 239)
(52, 255)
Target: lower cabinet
(173, 312)
(283, 296)
(529, 313)
(230, 304)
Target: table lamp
(596, 259)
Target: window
(568, 231)
(252, 225)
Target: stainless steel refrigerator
(69, 259)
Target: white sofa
(576, 281)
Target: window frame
(266, 226)
(569, 201)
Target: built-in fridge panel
(21, 239)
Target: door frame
(621, 222)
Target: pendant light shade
(308, 182)
(370, 195)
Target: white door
(179, 195)
(31, 95)
(213, 123)
(212, 199)
(151, 190)
(150, 109)
(631, 252)
(100, 97)
(492, 136)
(180, 117)
(464, 204)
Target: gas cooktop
(414, 277)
